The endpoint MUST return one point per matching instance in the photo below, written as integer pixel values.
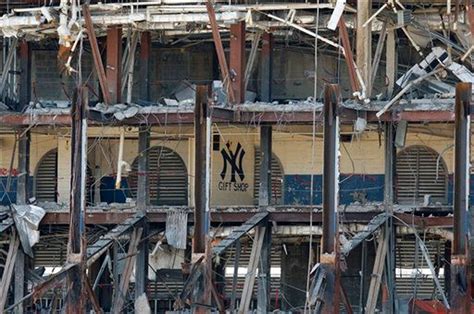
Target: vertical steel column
(23, 167)
(237, 60)
(264, 200)
(460, 263)
(265, 188)
(143, 166)
(266, 67)
(145, 52)
(331, 167)
(22, 196)
(202, 130)
(25, 75)
(329, 255)
(114, 63)
(141, 272)
(390, 232)
(75, 301)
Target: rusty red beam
(425, 222)
(284, 216)
(114, 63)
(460, 296)
(99, 66)
(228, 115)
(216, 36)
(266, 67)
(349, 57)
(237, 60)
(145, 70)
(413, 116)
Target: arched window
(46, 177)
(420, 171)
(168, 177)
(277, 179)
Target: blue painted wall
(10, 197)
(108, 193)
(297, 188)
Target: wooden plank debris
(376, 279)
(251, 270)
(99, 66)
(93, 298)
(220, 51)
(176, 233)
(8, 270)
(121, 294)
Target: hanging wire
(313, 148)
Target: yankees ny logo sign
(235, 162)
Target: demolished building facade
(179, 155)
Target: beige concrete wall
(40, 145)
(224, 191)
(64, 169)
(292, 146)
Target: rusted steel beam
(75, 301)
(99, 66)
(25, 75)
(425, 222)
(22, 196)
(114, 63)
(202, 127)
(53, 280)
(460, 261)
(289, 215)
(348, 56)
(237, 60)
(332, 100)
(326, 283)
(145, 69)
(264, 200)
(227, 115)
(413, 116)
(266, 68)
(93, 297)
(216, 36)
(141, 269)
(22, 190)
